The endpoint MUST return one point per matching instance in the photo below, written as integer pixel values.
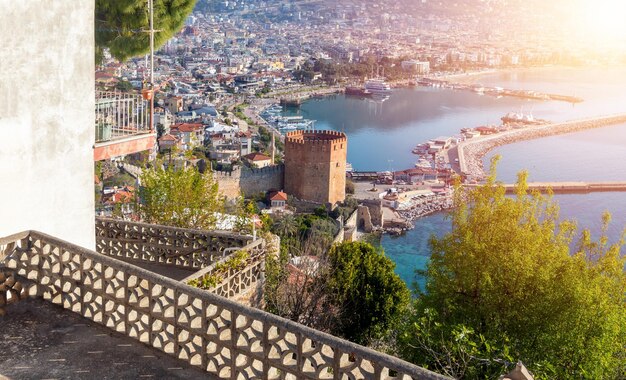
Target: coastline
(472, 152)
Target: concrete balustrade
(224, 338)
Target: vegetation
(235, 262)
(122, 25)
(346, 209)
(351, 292)
(333, 72)
(370, 296)
(180, 198)
(504, 286)
(349, 187)
(295, 231)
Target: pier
(471, 152)
(498, 91)
(567, 187)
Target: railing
(120, 115)
(228, 340)
(181, 247)
(234, 281)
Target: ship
(357, 91)
(514, 117)
(377, 86)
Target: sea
(381, 135)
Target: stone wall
(47, 118)
(250, 181)
(315, 166)
(375, 209)
(364, 219)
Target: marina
(272, 116)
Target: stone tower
(315, 165)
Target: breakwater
(422, 207)
(471, 152)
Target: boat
(377, 86)
(514, 117)
(424, 163)
(420, 149)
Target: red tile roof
(187, 127)
(278, 196)
(168, 137)
(256, 157)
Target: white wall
(47, 118)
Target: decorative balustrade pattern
(237, 281)
(181, 247)
(229, 340)
(13, 287)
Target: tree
(180, 198)
(160, 130)
(506, 276)
(351, 292)
(300, 293)
(372, 297)
(286, 226)
(122, 25)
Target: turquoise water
(411, 251)
(381, 136)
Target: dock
(567, 187)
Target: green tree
(124, 86)
(180, 198)
(160, 130)
(372, 297)
(245, 212)
(286, 226)
(121, 25)
(506, 276)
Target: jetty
(498, 91)
(567, 187)
(471, 152)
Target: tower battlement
(316, 137)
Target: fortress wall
(250, 181)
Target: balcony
(122, 125)
(201, 330)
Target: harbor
(272, 117)
(393, 138)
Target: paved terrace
(45, 341)
(122, 320)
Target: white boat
(377, 86)
(424, 163)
